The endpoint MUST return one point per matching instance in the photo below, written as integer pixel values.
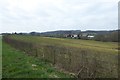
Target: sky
(51, 15)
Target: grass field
(17, 64)
(111, 47)
(92, 58)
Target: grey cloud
(70, 14)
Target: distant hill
(63, 32)
(60, 33)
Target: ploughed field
(84, 58)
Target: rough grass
(17, 64)
(110, 47)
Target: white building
(90, 36)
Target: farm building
(90, 36)
(71, 36)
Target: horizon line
(58, 30)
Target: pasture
(85, 58)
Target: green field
(92, 58)
(111, 47)
(17, 64)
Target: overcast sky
(50, 15)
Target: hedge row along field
(17, 64)
(85, 58)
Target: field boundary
(84, 63)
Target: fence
(84, 63)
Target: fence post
(36, 52)
(54, 56)
(69, 59)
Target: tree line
(109, 37)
